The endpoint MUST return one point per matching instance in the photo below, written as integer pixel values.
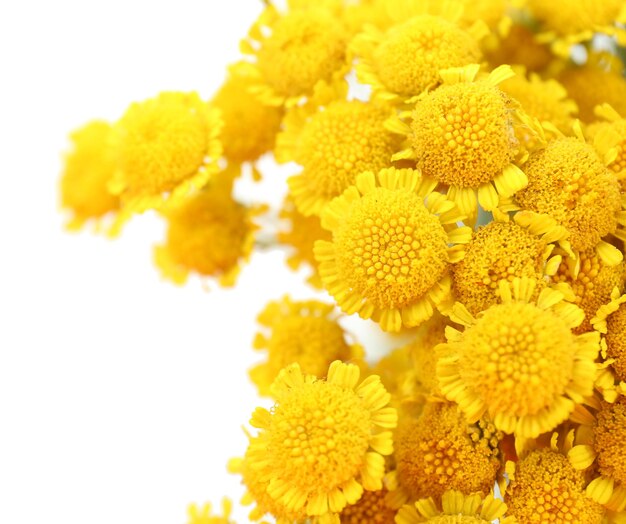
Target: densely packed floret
(461, 179)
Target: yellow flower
(600, 443)
(333, 146)
(306, 333)
(545, 488)
(256, 476)
(610, 320)
(408, 372)
(592, 282)
(501, 250)
(165, 146)
(545, 100)
(461, 135)
(392, 248)
(301, 236)
(405, 60)
(294, 53)
(520, 46)
(324, 441)
(202, 515)
(599, 81)
(89, 166)
(569, 182)
(371, 509)
(456, 509)
(568, 22)
(210, 234)
(519, 361)
(249, 127)
(440, 451)
(609, 138)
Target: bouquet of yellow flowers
(460, 180)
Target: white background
(121, 396)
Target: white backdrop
(121, 396)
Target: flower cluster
(461, 179)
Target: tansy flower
(306, 333)
(462, 135)
(545, 100)
(592, 282)
(599, 81)
(544, 487)
(89, 166)
(210, 234)
(609, 138)
(600, 442)
(406, 59)
(324, 441)
(501, 250)
(568, 22)
(256, 475)
(371, 508)
(294, 53)
(455, 508)
(333, 146)
(202, 515)
(165, 146)
(249, 127)
(440, 451)
(569, 182)
(610, 320)
(300, 236)
(392, 248)
(519, 361)
(520, 46)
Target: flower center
(318, 437)
(391, 250)
(462, 134)
(304, 47)
(517, 357)
(610, 435)
(409, 59)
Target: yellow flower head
(333, 146)
(545, 100)
(406, 60)
(306, 333)
(456, 508)
(520, 46)
(501, 250)
(371, 508)
(209, 234)
(89, 166)
(462, 135)
(592, 282)
(600, 443)
(440, 451)
(599, 81)
(519, 361)
(610, 320)
(301, 236)
(546, 488)
(256, 478)
(569, 182)
(609, 138)
(202, 515)
(295, 52)
(164, 146)
(567, 22)
(249, 127)
(324, 441)
(392, 248)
